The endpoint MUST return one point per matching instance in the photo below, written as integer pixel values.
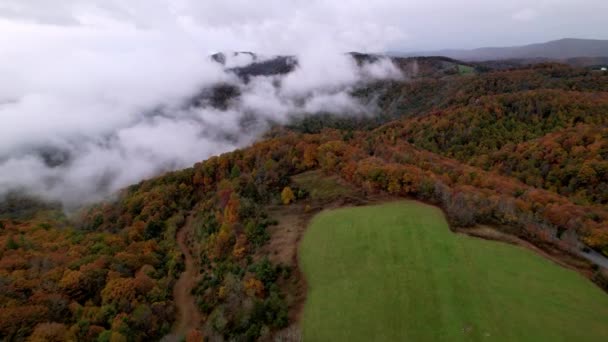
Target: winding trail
(188, 317)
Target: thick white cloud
(101, 89)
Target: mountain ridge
(565, 48)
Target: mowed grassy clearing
(394, 272)
(322, 187)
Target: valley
(253, 244)
(271, 171)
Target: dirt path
(188, 317)
(285, 237)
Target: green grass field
(465, 69)
(395, 272)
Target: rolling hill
(562, 49)
(521, 151)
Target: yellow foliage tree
(310, 156)
(240, 247)
(231, 212)
(254, 287)
(287, 195)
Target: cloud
(323, 70)
(95, 103)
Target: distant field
(394, 272)
(465, 69)
(321, 186)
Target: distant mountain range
(562, 49)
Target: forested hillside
(523, 150)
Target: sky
(279, 26)
(93, 92)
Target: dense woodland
(524, 150)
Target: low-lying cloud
(88, 111)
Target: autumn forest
(523, 150)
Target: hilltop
(562, 49)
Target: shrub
(154, 229)
(287, 195)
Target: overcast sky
(286, 25)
